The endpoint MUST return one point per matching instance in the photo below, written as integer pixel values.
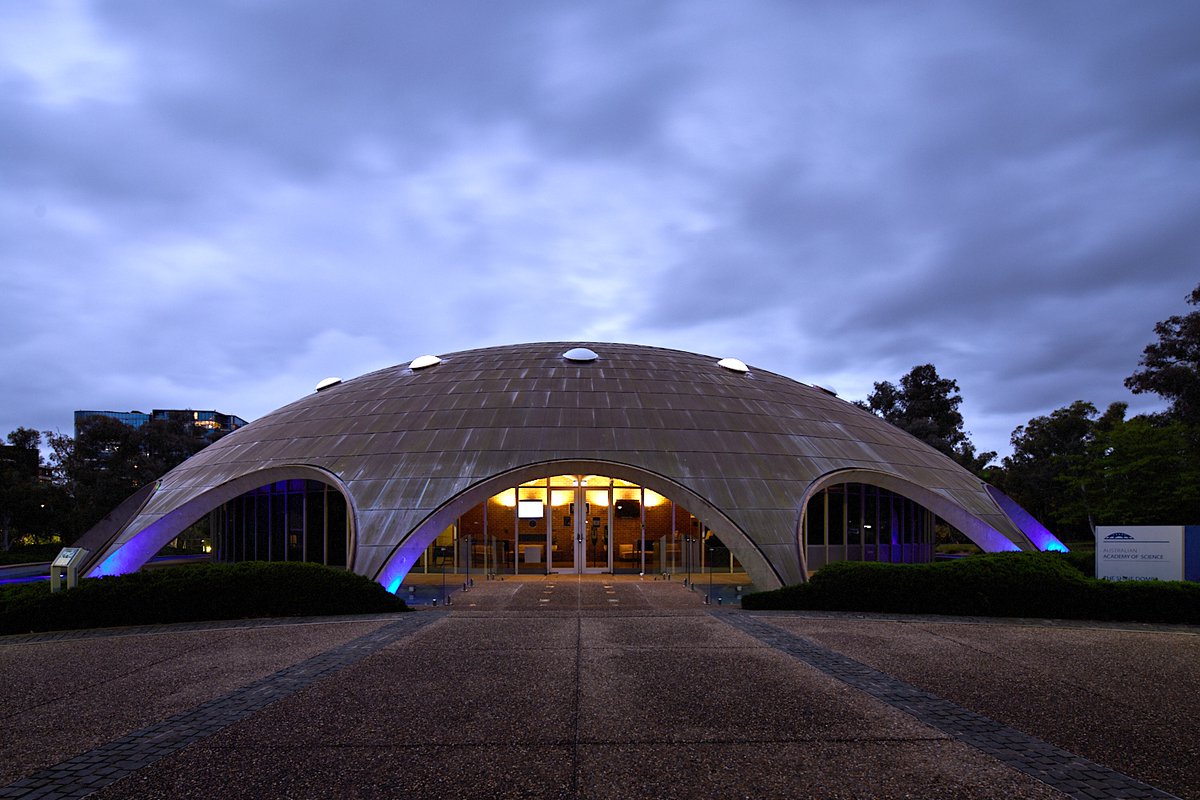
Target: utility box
(68, 561)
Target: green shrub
(29, 553)
(1082, 560)
(193, 593)
(998, 585)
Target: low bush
(1082, 560)
(29, 553)
(997, 585)
(194, 593)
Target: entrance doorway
(580, 527)
(576, 524)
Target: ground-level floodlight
(68, 561)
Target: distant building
(206, 424)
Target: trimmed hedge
(29, 554)
(993, 585)
(193, 593)
(1082, 560)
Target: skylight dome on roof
(420, 362)
(325, 384)
(733, 365)
(580, 354)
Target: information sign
(1140, 553)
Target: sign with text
(1140, 552)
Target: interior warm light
(507, 498)
(597, 498)
(653, 499)
(561, 498)
(626, 494)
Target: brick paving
(1068, 773)
(91, 771)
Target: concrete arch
(988, 537)
(405, 554)
(139, 544)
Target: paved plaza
(599, 687)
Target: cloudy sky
(216, 205)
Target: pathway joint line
(1064, 771)
(91, 771)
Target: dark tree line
(1078, 467)
(86, 477)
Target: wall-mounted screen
(530, 509)
(628, 508)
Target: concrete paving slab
(871, 770)
(582, 697)
(1126, 699)
(660, 631)
(487, 631)
(409, 694)
(209, 770)
(730, 695)
(120, 684)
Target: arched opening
(227, 509)
(864, 522)
(901, 514)
(578, 518)
(287, 520)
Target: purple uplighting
(1042, 539)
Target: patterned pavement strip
(95, 769)
(1060, 769)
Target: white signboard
(1140, 553)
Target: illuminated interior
(577, 524)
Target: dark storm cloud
(220, 204)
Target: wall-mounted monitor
(530, 509)
(628, 508)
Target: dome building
(567, 457)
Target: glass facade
(294, 520)
(206, 424)
(861, 522)
(577, 523)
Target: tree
(1075, 468)
(28, 504)
(926, 405)
(1172, 364)
(109, 460)
(1045, 471)
(1143, 471)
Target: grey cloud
(1004, 189)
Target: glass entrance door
(564, 537)
(580, 540)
